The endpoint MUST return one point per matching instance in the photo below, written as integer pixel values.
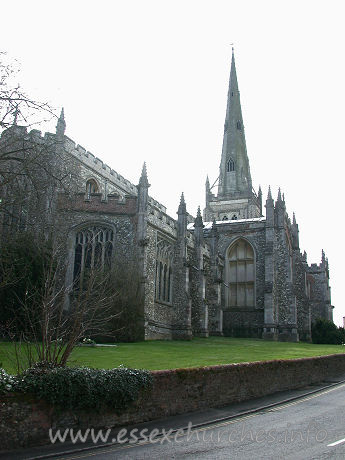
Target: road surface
(312, 427)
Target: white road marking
(336, 443)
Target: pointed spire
(294, 219)
(279, 195)
(269, 194)
(323, 256)
(15, 116)
(234, 153)
(269, 208)
(207, 183)
(304, 256)
(143, 181)
(260, 191)
(61, 124)
(182, 206)
(198, 220)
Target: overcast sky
(147, 81)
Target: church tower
(236, 198)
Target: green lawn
(175, 354)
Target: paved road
(312, 427)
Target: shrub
(324, 331)
(7, 382)
(83, 387)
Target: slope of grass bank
(175, 354)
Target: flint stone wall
(25, 421)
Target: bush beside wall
(24, 421)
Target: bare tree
(32, 168)
(16, 107)
(43, 329)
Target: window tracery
(230, 165)
(93, 249)
(164, 259)
(241, 275)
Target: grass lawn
(174, 354)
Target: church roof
(208, 225)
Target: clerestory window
(91, 187)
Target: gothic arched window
(241, 274)
(91, 187)
(93, 249)
(238, 125)
(230, 165)
(164, 258)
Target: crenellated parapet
(90, 161)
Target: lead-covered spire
(234, 176)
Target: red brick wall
(95, 204)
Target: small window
(234, 217)
(225, 218)
(91, 187)
(239, 125)
(230, 165)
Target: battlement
(82, 155)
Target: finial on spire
(15, 116)
(182, 206)
(279, 195)
(143, 181)
(269, 194)
(323, 256)
(294, 218)
(198, 220)
(207, 182)
(61, 124)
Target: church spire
(234, 178)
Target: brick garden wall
(25, 422)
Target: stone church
(236, 270)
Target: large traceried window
(241, 275)
(164, 258)
(93, 249)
